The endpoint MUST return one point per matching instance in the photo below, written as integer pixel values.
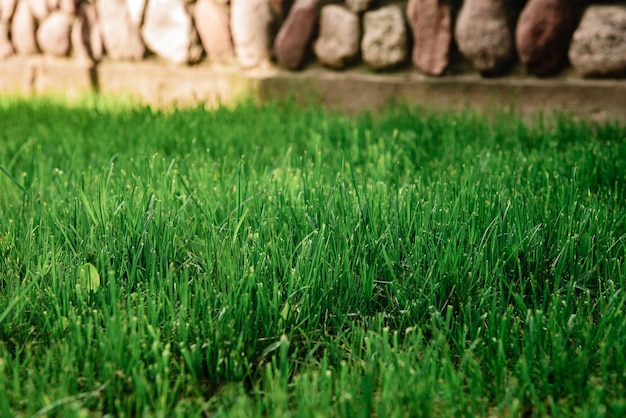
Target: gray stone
(384, 43)
(339, 34)
(121, 38)
(358, 6)
(598, 47)
(7, 8)
(6, 48)
(23, 29)
(168, 31)
(212, 20)
(53, 34)
(296, 34)
(431, 24)
(251, 22)
(483, 35)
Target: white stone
(169, 32)
(250, 24)
(384, 43)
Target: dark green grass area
(281, 261)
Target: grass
(274, 261)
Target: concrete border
(353, 90)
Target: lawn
(282, 261)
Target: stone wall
(435, 37)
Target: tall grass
(274, 261)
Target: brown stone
(483, 35)
(86, 39)
(430, 22)
(212, 20)
(338, 40)
(120, 36)
(23, 29)
(296, 34)
(598, 47)
(251, 22)
(53, 34)
(6, 48)
(384, 43)
(542, 35)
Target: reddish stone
(86, 39)
(212, 22)
(23, 29)
(542, 36)
(430, 22)
(296, 34)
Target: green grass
(274, 261)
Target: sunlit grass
(275, 261)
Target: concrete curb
(357, 89)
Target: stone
(251, 22)
(339, 35)
(68, 6)
(296, 34)
(6, 48)
(120, 36)
(136, 10)
(53, 34)
(358, 6)
(542, 35)
(23, 29)
(384, 43)
(39, 8)
(483, 35)
(86, 39)
(598, 47)
(168, 31)
(212, 20)
(431, 24)
(7, 8)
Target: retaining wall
(567, 54)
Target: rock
(120, 36)
(542, 35)
(169, 31)
(6, 48)
(23, 29)
(384, 43)
(339, 34)
(358, 6)
(251, 22)
(136, 10)
(296, 34)
(598, 47)
(86, 39)
(431, 24)
(213, 25)
(7, 8)
(68, 6)
(39, 8)
(483, 35)
(53, 35)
